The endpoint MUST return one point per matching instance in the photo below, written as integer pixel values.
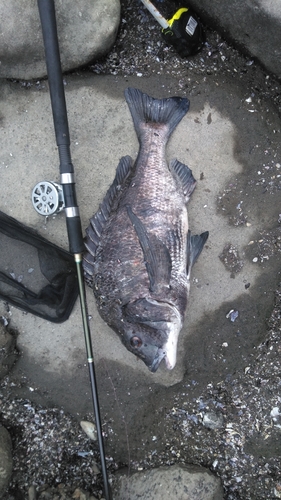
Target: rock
(32, 495)
(90, 429)
(253, 27)
(177, 482)
(8, 353)
(80, 495)
(86, 31)
(6, 461)
(213, 420)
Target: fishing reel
(47, 198)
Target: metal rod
(74, 229)
(156, 14)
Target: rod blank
(74, 229)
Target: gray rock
(8, 353)
(32, 495)
(212, 420)
(177, 481)
(6, 461)
(86, 31)
(252, 26)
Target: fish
(139, 250)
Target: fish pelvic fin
(98, 221)
(147, 110)
(195, 244)
(156, 255)
(184, 178)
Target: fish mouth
(169, 350)
(157, 360)
(170, 362)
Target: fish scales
(139, 251)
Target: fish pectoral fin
(195, 244)
(156, 255)
(184, 176)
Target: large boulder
(252, 26)
(6, 461)
(86, 31)
(177, 481)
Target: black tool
(184, 30)
(76, 245)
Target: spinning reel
(47, 198)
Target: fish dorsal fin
(184, 175)
(98, 221)
(156, 254)
(195, 244)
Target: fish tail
(146, 110)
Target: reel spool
(47, 198)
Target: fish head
(151, 330)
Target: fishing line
(125, 425)
(122, 417)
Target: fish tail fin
(147, 111)
(195, 244)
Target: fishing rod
(73, 221)
(184, 30)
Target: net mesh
(35, 275)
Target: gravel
(140, 50)
(234, 426)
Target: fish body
(139, 250)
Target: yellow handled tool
(184, 30)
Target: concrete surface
(252, 26)
(233, 146)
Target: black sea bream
(139, 248)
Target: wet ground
(223, 412)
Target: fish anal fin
(195, 244)
(156, 255)
(184, 176)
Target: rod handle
(53, 63)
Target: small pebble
(213, 420)
(90, 429)
(32, 493)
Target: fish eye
(136, 341)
